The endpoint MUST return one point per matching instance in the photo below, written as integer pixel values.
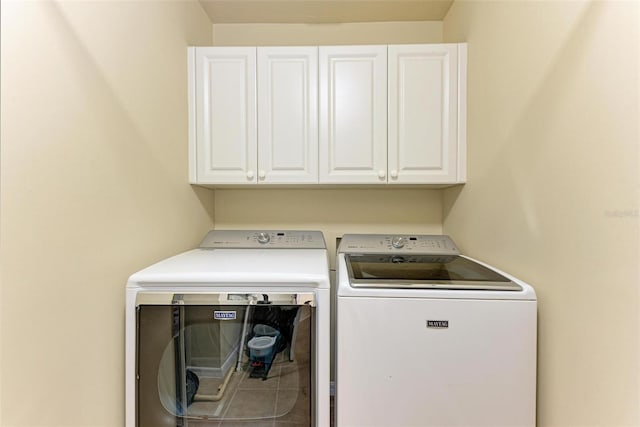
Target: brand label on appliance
(437, 324)
(224, 315)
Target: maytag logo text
(437, 324)
(224, 315)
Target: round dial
(263, 237)
(398, 242)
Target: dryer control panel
(263, 239)
(418, 244)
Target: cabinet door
(287, 115)
(353, 114)
(225, 104)
(423, 114)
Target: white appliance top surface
(285, 267)
(345, 288)
(300, 260)
(418, 265)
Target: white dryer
(429, 337)
(235, 332)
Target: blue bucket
(262, 347)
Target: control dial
(398, 242)
(263, 237)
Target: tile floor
(280, 400)
(283, 399)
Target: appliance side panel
(191, 100)
(323, 358)
(392, 369)
(130, 359)
(462, 112)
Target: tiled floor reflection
(283, 399)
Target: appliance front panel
(221, 364)
(428, 362)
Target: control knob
(398, 242)
(263, 237)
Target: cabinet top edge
(322, 45)
(312, 186)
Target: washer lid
(423, 272)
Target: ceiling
(319, 12)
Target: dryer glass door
(220, 359)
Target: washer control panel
(263, 239)
(399, 243)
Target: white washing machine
(235, 332)
(429, 337)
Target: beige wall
(553, 188)
(327, 34)
(93, 188)
(94, 170)
(334, 212)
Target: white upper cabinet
(425, 140)
(254, 114)
(353, 114)
(288, 115)
(224, 149)
(372, 114)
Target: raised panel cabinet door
(287, 115)
(424, 137)
(225, 105)
(353, 114)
